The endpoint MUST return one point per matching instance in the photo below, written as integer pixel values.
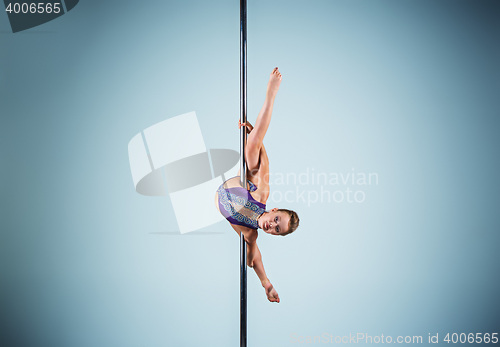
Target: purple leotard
(239, 207)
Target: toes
(276, 73)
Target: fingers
(244, 124)
(273, 295)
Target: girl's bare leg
(256, 137)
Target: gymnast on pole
(245, 207)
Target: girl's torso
(238, 205)
(259, 177)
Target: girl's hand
(247, 125)
(272, 294)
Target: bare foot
(274, 82)
(272, 294)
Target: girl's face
(274, 222)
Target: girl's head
(279, 222)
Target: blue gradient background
(406, 89)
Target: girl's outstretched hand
(272, 294)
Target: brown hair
(293, 223)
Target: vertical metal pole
(243, 167)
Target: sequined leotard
(239, 207)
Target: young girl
(245, 207)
